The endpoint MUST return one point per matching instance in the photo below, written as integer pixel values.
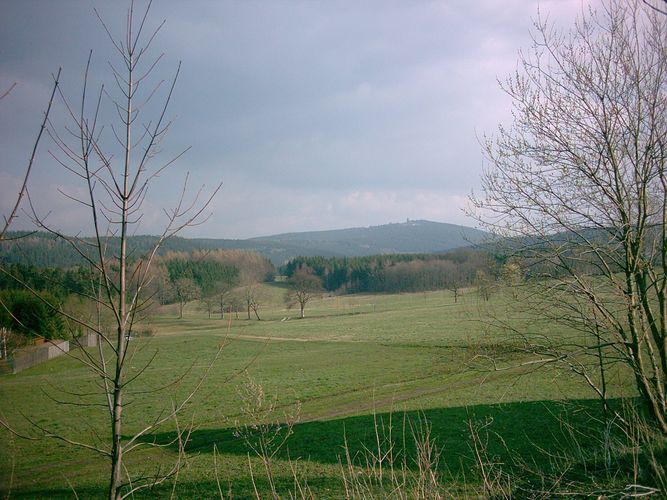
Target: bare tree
(115, 188)
(209, 302)
(223, 294)
(185, 290)
(511, 277)
(485, 284)
(303, 285)
(579, 182)
(252, 299)
(657, 5)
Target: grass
(350, 358)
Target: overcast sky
(313, 114)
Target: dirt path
(236, 336)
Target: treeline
(43, 249)
(206, 274)
(182, 276)
(57, 281)
(31, 298)
(30, 295)
(38, 249)
(397, 273)
(207, 269)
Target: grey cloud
(295, 104)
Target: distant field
(352, 356)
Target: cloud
(314, 114)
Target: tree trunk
(117, 449)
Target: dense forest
(397, 272)
(46, 250)
(57, 281)
(30, 294)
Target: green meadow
(360, 371)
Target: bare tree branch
(24, 186)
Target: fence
(87, 340)
(39, 354)
(35, 355)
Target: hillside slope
(420, 236)
(409, 237)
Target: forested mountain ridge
(418, 236)
(45, 250)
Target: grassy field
(354, 364)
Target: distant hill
(418, 236)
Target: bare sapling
(115, 164)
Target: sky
(312, 114)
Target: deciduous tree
(252, 299)
(579, 181)
(302, 286)
(115, 166)
(185, 290)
